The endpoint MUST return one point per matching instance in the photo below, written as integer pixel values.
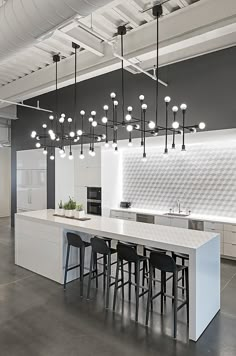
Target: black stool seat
(74, 240)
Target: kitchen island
(40, 246)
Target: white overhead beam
(85, 40)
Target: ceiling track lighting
(62, 131)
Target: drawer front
(213, 225)
(116, 214)
(162, 220)
(230, 250)
(229, 227)
(230, 237)
(179, 223)
(129, 216)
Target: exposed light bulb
(137, 127)
(51, 117)
(94, 123)
(128, 117)
(52, 157)
(61, 120)
(37, 138)
(72, 134)
(90, 152)
(183, 107)
(175, 125)
(38, 144)
(53, 137)
(130, 143)
(45, 152)
(71, 156)
(105, 107)
(129, 108)
(69, 119)
(79, 132)
(106, 144)
(129, 128)
(167, 99)
(81, 156)
(141, 97)
(50, 132)
(175, 108)
(114, 144)
(33, 134)
(151, 125)
(103, 136)
(61, 151)
(116, 150)
(144, 158)
(99, 139)
(93, 113)
(93, 153)
(104, 119)
(58, 138)
(76, 139)
(193, 130)
(63, 155)
(44, 126)
(116, 103)
(202, 125)
(63, 115)
(90, 119)
(82, 112)
(113, 95)
(144, 106)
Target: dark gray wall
(207, 84)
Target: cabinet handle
(233, 244)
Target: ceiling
(188, 28)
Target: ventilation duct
(24, 22)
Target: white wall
(5, 181)
(64, 178)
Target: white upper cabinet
(31, 159)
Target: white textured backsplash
(203, 178)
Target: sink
(176, 214)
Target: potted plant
(79, 212)
(69, 208)
(60, 210)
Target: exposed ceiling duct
(23, 23)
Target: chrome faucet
(179, 206)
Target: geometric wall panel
(203, 178)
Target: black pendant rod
(76, 47)
(122, 32)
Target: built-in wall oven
(94, 202)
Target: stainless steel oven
(94, 193)
(94, 204)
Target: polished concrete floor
(38, 319)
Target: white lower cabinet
(230, 240)
(178, 222)
(123, 215)
(163, 220)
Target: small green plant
(70, 205)
(79, 207)
(60, 205)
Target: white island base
(40, 246)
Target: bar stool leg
(82, 251)
(137, 272)
(162, 290)
(183, 276)
(149, 294)
(96, 268)
(144, 267)
(122, 279)
(104, 271)
(116, 284)
(187, 292)
(108, 279)
(175, 279)
(130, 280)
(90, 273)
(66, 266)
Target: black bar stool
(100, 246)
(76, 241)
(166, 264)
(128, 254)
(146, 250)
(183, 257)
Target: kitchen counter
(40, 246)
(203, 217)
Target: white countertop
(220, 219)
(140, 233)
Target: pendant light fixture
(61, 132)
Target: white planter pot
(60, 212)
(69, 213)
(79, 214)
